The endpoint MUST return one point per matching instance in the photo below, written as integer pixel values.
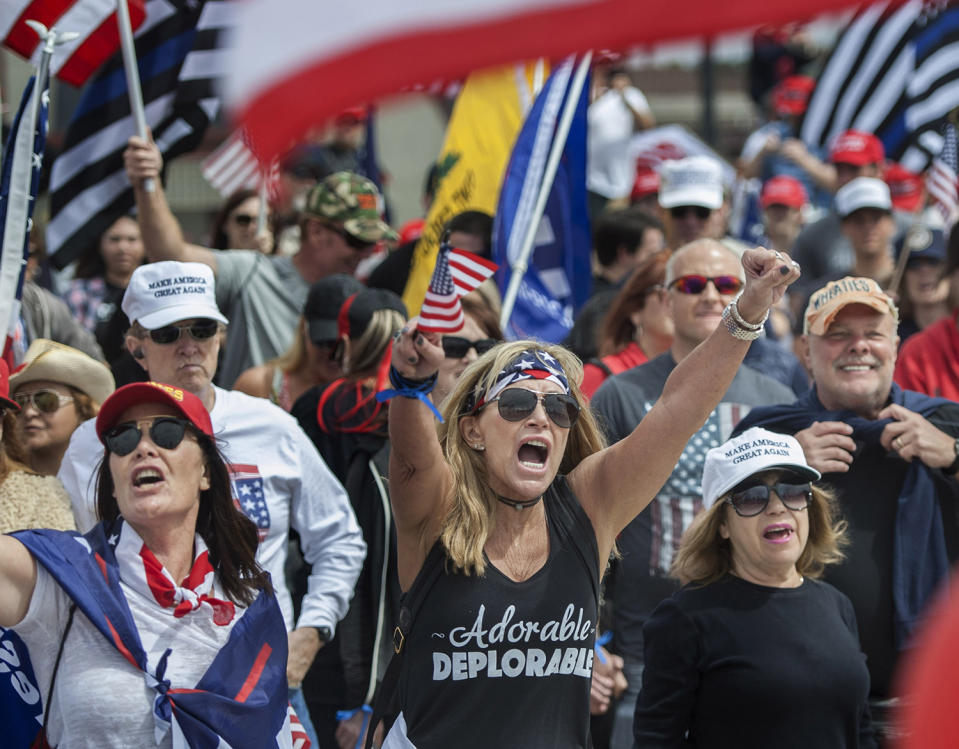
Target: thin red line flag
(457, 272)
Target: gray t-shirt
(648, 543)
(262, 296)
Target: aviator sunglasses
(45, 401)
(165, 431)
(517, 404)
(696, 284)
(456, 347)
(200, 331)
(749, 501)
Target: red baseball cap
(353, 115)
(189, 406)
(857, 148)
(5, 401)
(646, 182)
(412, 229)
(791, 94)
(905, 188)
(783, 190)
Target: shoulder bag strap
(410, 604)
(41, 740)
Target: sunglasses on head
(749, 501)
(516, 404)
(244, 219)
(45, 401)
(200, 331)
(456, 347)
(699, 211)
(695, 284)
(165, 431)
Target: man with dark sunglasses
(264, 294)
(892, 455)
(278, 478)
(701, 279)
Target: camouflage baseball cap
(350, 200)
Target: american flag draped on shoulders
(241, 699)
(19, 181)
(457, 273)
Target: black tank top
(495, 663)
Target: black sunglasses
(456, 348)
(355, 243)
(516, 404)
(201, 331)
(244, 219)
(696, 284)
(701, 212)
(749, 501)
(165, 431)
(45, 401)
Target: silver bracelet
(739, 318)
(739, 328)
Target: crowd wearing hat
(266, 453)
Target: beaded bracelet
(409, 388)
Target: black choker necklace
(517, 504)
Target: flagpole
(133, 77)
(518, 268)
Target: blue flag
(19, 182)
(557, 281)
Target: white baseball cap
(166, 292)
(863, 192)
(754, 451)
(695, 180)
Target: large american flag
(942, 179)
(457, 272)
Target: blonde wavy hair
(704, 556)
(469, 520)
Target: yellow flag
(486, 119)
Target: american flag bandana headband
(531, 364)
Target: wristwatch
(325, 634)
(954, 466)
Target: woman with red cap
(171, 622)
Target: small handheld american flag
(942, 181)
(457, 272)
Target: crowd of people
(263, 505)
